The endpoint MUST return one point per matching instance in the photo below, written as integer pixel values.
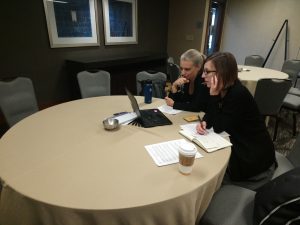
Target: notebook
(210, 142)
(147, 117)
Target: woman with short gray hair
(187, 92)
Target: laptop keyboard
(153, 117)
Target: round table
(249, 75)
(60, 166)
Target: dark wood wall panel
(123, 70)
(25, 48)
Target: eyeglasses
(207, 72)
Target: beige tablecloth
(61, 167)
(249, 75)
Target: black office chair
(17, 99)
(174, 71)
(269, 96)
(254, 60)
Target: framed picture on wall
(71, 23)
(120, 21)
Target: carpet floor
(285, 139)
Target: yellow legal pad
(191, 118)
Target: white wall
(251, 26)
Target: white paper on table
(166, 153)
(191, 128)
(126, 118)
(168, 109)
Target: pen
(200, 120)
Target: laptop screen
(133, 102)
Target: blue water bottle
(148, 91)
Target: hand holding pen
(169, 101)
(201, 127)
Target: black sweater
(237, 114)
(195, 102)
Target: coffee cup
(187, 153)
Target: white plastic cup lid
(187, 148)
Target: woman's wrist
(174, 88)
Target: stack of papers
(210, 141)
(166, 153)
(168, 109)
(126, 118)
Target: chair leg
(276, 127)
(294, 124)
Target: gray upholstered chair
(17, 99)
(234, 204)
(230, 205)
(294, 91)
(298, 76)
(170, 60)
(174, 71)
(269, 96)
(292, 160)
(254, 60)
(92, 84)
(292, 102)
(292, 68)
(158, 81)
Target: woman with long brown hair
(232, 108)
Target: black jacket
(237, 114)
(196, 102)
